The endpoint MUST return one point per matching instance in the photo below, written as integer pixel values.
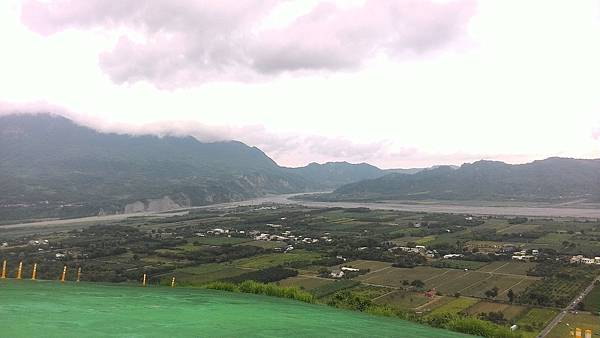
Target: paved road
(558, 319)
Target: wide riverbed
(476, 208)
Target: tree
(510, 295)
(417, 283)
(492, 293)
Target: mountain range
(554, 179)
(53, 167)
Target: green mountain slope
(335, 174)
(552, 179)
(51, 167)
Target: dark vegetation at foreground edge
(473, 274)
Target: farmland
(582, 321)
(536, 319)
(591, 302)
(380, 258)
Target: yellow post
(577, 332)
(588, 333)
(144, 280)
(4, 269)
(34, 272)
(78, 274)
(173, 282)
(64, 274)
(20, 270)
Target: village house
(337, 274)
(349, 269)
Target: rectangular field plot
(306, 283)
(455, 305)
(591, 302)
(436, 303)
(536, 319)
(395, 276)
(457, 264)
(207, 273)
(493, 266)
(463, 282)
(266, 244)
(517, 288)
(516, 268)
(510, 267)
(364, 264)
(403, 299)
(503, 283)
(510, 312)
(269, 260)
(580, 320)
(445, 277)
(516, 228)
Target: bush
(254, 287)
(481, 328)
(268, 275)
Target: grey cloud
(190, 42)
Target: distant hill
(52, 167)
(334, 174)
(552, 179)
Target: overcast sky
(403, 83)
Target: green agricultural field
(592, 301)
(510, 312)
(425, 240)
(274, 259)
(557, 292)
(456, 305)
(502, 282)
(328, 289)
(437, 302)
(207, 273)
(493, 266)
(580, 320)
(516, 268)
(518, 228)
(444, 278)
(363, 264)
(370, 291)
(534, 320)
(395, 276)
(302, 282)
(553, 240)
(457, 264)
(266, 244)
(404, 299)
(221, 240)
(464, 282)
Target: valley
(418, 266)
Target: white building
(349, 269)
(337, 274)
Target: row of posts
(145, 280)
(63, 275)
